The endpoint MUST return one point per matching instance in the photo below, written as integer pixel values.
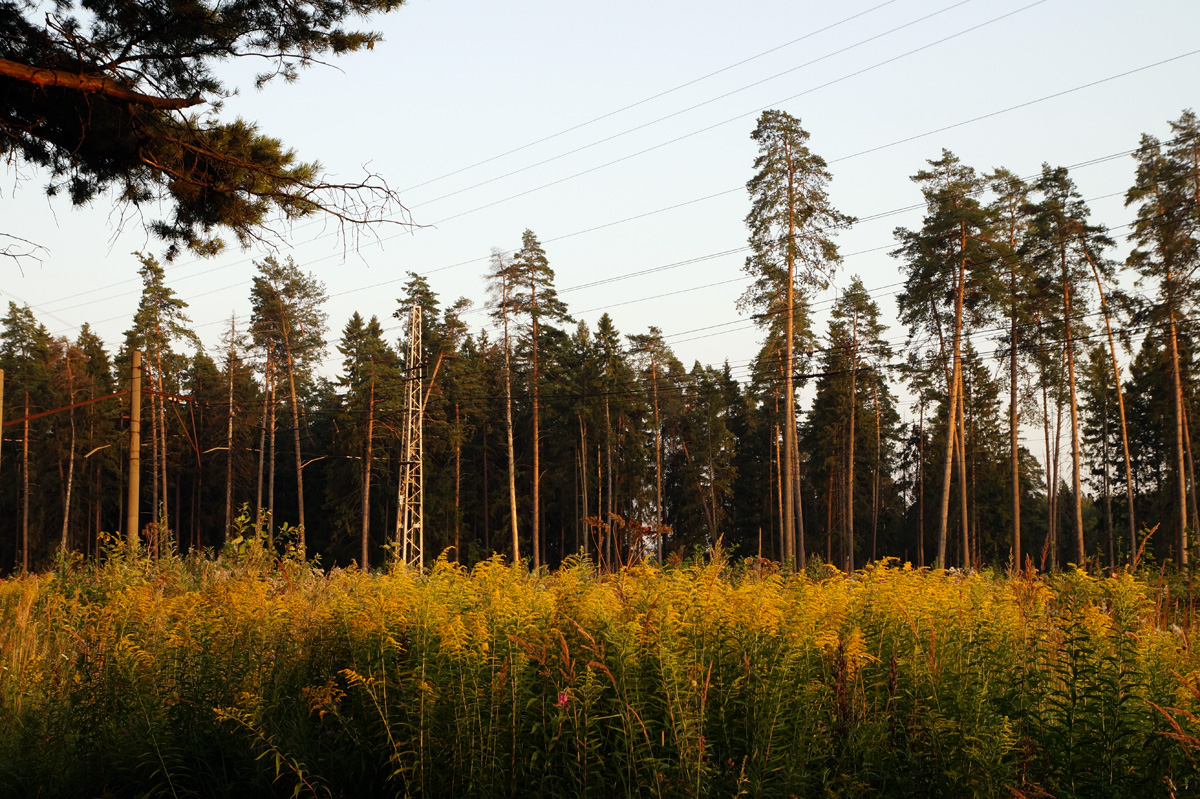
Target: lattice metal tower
(410, 530)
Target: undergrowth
(255, 675)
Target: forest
(1021, 333)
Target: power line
(842, 158)
(649, 99)
(572, 128)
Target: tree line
(546, 437)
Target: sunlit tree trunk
(70, 453)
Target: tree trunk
(1177, 391)
(1076, 456)
(368, 454)
(829, 517)
(487, 502)
(537, 445)
(952, 410)
(1191, 470)
(1112, 544)
(70, 455)
(457, 479)
(262, 456)
(229, 438)
(657, 463)
(154, 452)
(850, 446)
(160, 417)
(799, 494)
(295, 433)
(875, 482)
(961, 440)
(1014, 423)
(1112, 350)
(512, 466)
(921, 487)
(609, 539)
(25, 489)
(271, 467)
(583, 479)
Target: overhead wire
(839, 159)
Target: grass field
(254, 676)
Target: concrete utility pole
(135, 443)
(410, 530)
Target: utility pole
(135, 443)
(410, 530)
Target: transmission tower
(410, 531)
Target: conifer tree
(1011, 217)
(160, 322)
(287, 320)
(502, 285)
(1059, 240)
(1167, 248)
(534, 296)
(791, 224)
(369, 373)
(941, 259)
(25, 356)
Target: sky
(620, 134)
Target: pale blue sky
(457, 82)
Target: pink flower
(563, 699)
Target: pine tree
(287, 320)
(160, 322)
(25, 358)
(1011, 218)
(502, 285)
(1059, 240)
(1167, 250)
(791, 224)
(941, 259)
(534, 296)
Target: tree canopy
(125, 97)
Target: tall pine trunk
(512, 464)
(961, 441)
(850, 446)
(1076, 456)
(609, 546)
(368, 453)
(262, 454)
(1112, 351)
(271, 462)
(70, 455)
(457, 479)
(789, 390)
(952, 408)
(1014, 421)
(229, 437)
(875, 480)
(25, 488)
(291, 372)
(537, 446)
(921, 487)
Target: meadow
(256, 675)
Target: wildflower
(563, 699)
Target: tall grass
(253, 676)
